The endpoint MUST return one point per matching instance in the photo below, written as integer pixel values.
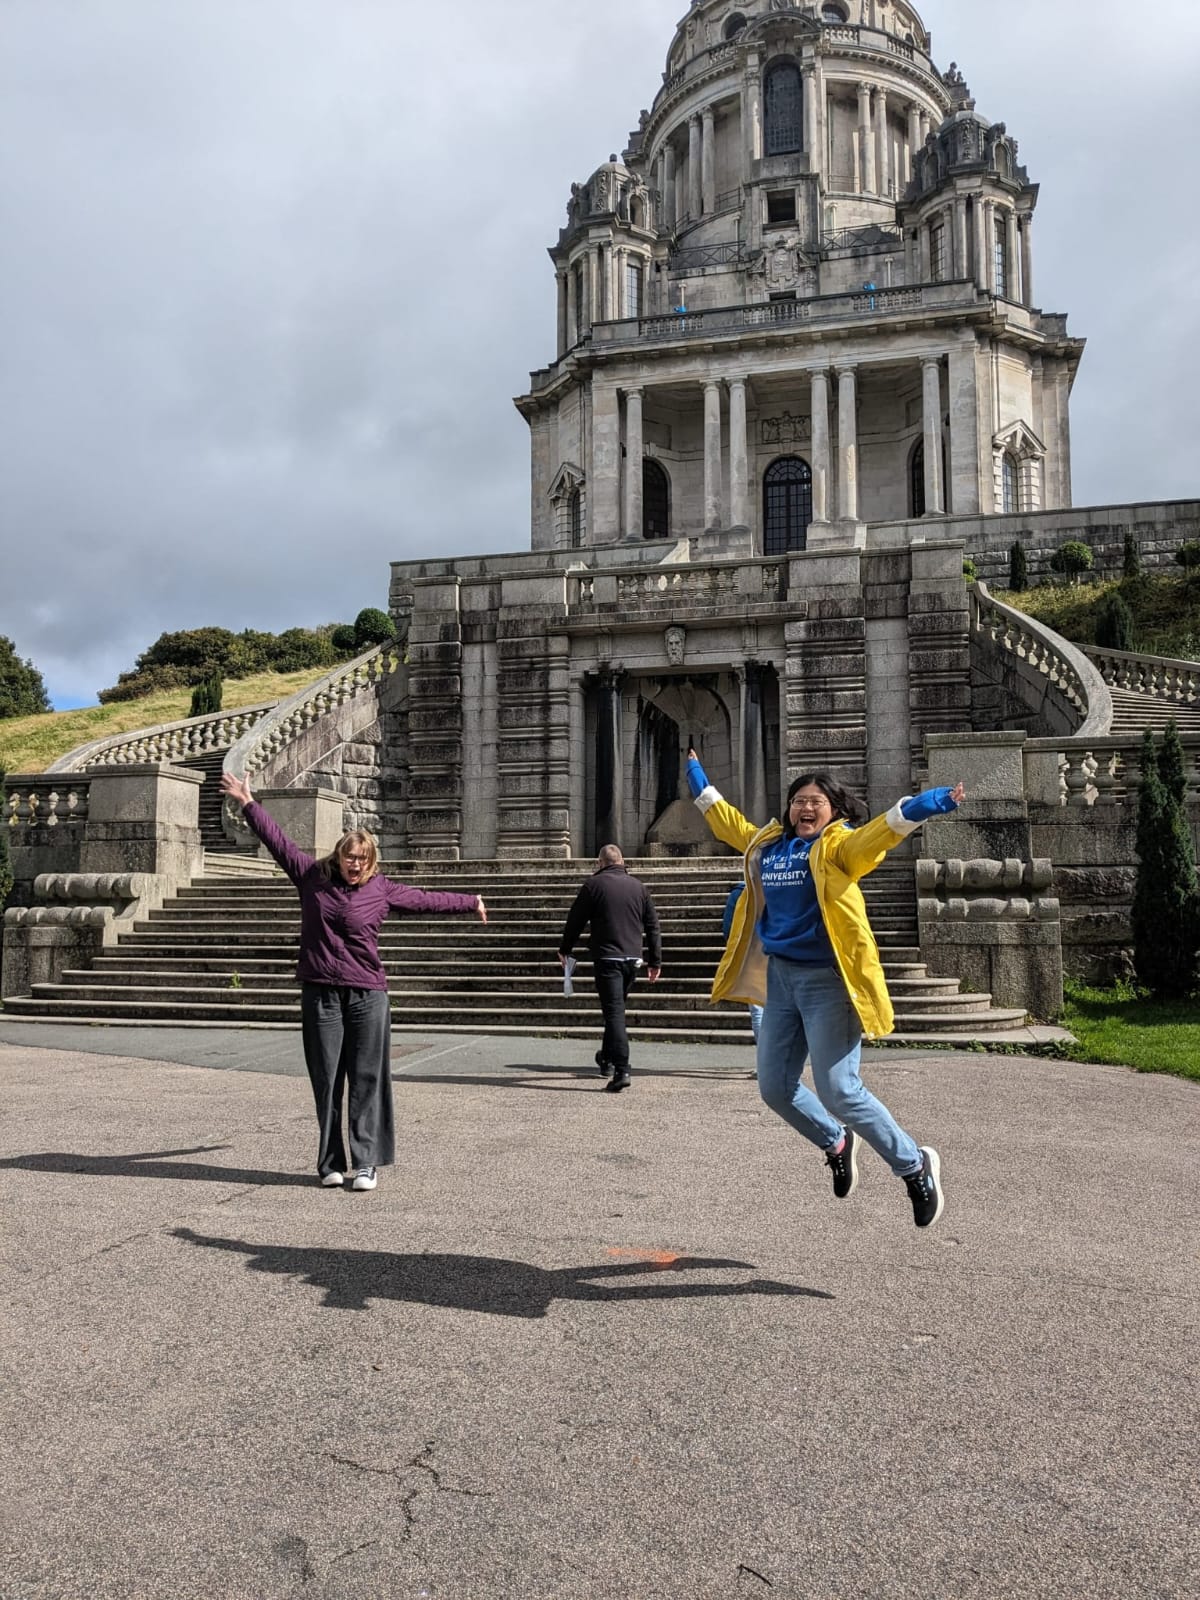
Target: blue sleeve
(696, 778)
(932, 803)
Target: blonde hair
(365, 841)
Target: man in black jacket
(622, 918)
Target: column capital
(633, 391)
(712, 384)
(738, 377)
(693, 118)
(708, 113)
(846, 369)
(862, 89)
(881, 94)
(931, 361)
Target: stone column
(1012, 257)
(610, 768)
(560, 283)
(592, 310)
(708, 162)
(753, 762)
(965, 442)
(821, 460)
(752, 110)
(808, 72)
(914, 135)
(931, 395)
(573, 329)
(604, 483)
(847, 445)
(608, 263)
(962, 263)
(712, 455)
(982, 276)
(695, 194)
(926, 244)
(924, 126)
(866, 140)
(822, 148)
(1027, 259)
(883, 153)
(739, 479)
(989, 234)
(633, 464)
(668, 198)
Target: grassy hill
(1166, 611)
(30, 744)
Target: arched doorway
(656, 500)
(787, 505)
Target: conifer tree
(1114, 624)
(1131, 563)
(1018, 568)
(1166, 913)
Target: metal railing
(695, 257)
(872, 237)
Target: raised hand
(236, 788)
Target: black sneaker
(604, 1066)
(844, 1166)
(620, 1080)
(364, 1178)
(925, 1189)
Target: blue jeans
(809, 1014)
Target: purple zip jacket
(339, 926)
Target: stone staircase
(1134, 712)
(212, 802)
(223, 950)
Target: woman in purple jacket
(346, 1018)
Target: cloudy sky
(271, 271)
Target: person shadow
(488, 1284)
(153, 1164)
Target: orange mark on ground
(653, 1258)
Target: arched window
(787, 505)
(916, 480)
(1010, 483)
(575, 518)
(734, 26)
(656, 500)
(783, 109)
(835, 14)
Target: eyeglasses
(355, 861)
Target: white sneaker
(332, 1180)
(364, 1178)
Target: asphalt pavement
(583, 1346)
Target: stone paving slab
(579, 1346)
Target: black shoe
(619, 1080)
(844, 1166)
(925, 1189)
(364, 1178)
(604, 1066)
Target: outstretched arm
(236, 788)
(294, 861)
(725, 822)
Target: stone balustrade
(1090, 774)
(1052, 679)
(166, 742)
(829, 308)
(669, 588)
(1177, 682)
(37, 800)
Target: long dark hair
(845, 805)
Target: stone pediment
(1019, 440)
(568, 478)
(801, 22)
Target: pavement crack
(423, 1463)
(753, 1572)
(345, 1554)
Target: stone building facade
(801, 300)
(797, 344)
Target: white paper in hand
(568, 969)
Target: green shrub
(1131, 561)
(1018, 568)
(1114, 623)
(1188, 556)
(207, 697)
(136, 685)
(1072, 558)
(372, 626)
(344, 640)
(298, 648)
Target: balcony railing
(814, 312)
(695, 257)
(872, 237)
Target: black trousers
(347, 1043)
(614, 980)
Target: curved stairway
(223, 952)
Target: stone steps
(1134, 712)
(223, 951)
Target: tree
(970, 572)
(372, 626)
(1018, 568)
(1166, 901)
(1114, 623)
(297, 648)
(22, 692)
(1072, 558)
(1131, 561)
(344, 639)
(1188, 557)
(207, 696)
